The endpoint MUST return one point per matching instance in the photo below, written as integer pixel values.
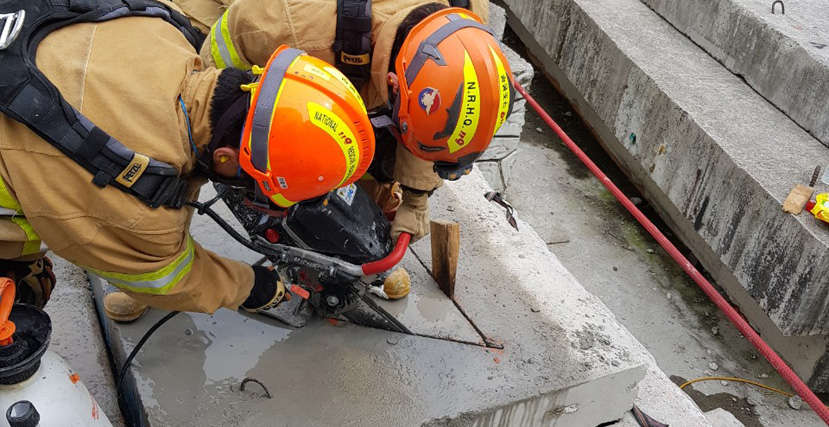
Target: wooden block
(797, 199)
(446, 238)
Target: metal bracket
(494, 196)
(12, 23)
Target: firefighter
(119, 124)
(434, 79)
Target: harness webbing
(28, 96)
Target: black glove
(34, 280)
(268, 291)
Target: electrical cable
(140, 344)
(740, 380)
(733, 316)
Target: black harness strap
(352, 45)
(459, 3)
(27, 95)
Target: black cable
(140, 344)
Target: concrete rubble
(497, 162)
(565, 360)
(714, 157)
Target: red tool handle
(7, 328)
(392, 259)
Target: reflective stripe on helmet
(269, 90)
(11, 210)
(505, 98)
(221, 46)
(470, 111)
(338, 130)
(157, 282)
(428, 48)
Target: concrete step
(565, 361)
(784, 57)
(714, 157)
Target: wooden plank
(446, 238)
(797, 199)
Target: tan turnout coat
(127, 76)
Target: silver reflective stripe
(9, 212)
(221, 45)
(265, 103)
(428, 48)
(156, 282)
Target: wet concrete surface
(564, 360)
(615, 259)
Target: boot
(121, 307)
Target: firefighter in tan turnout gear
(434, 77)
(117, 128)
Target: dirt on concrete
(616, 260)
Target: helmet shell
(456, 87)
(307, 131)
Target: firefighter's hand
(268, 290)
(412, 216)
(34, 280)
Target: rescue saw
(328, 251)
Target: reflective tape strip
(158, 282)
(10, 208)
(32, 243)
(221, 46)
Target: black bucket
(21, 359)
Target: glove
(34, 280)
(412, 215)
(268, 291)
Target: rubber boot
(398, 284)
(121, 307)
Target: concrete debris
(763, 376)
(795, 402)
(539, 130)
(715, 330)
(669, 295)
(721, 418)
(650, 251)
(636, 201)
(713, 366)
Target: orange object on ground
(307, 131)
(7, 328)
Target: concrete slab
(76, 336)
(565, 360)
(711, 155)
(784, 57)
(427, 311)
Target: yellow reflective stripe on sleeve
(214, 46)
(6, 199)
(158, 282)
(221, 46)
(33, 242)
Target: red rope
(797, 384)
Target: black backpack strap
(459, 3)
(27, 95)
(352, 45)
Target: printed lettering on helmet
(503, 88)
(339, 131)
(470, 108)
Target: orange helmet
(306, 132)
(456, 90)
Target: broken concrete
(713, 157)
(565, 361)
(784, 57)
(497, 161)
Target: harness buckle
(11, 24)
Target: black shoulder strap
(352, 46)
(459, 3)
(27, 95)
